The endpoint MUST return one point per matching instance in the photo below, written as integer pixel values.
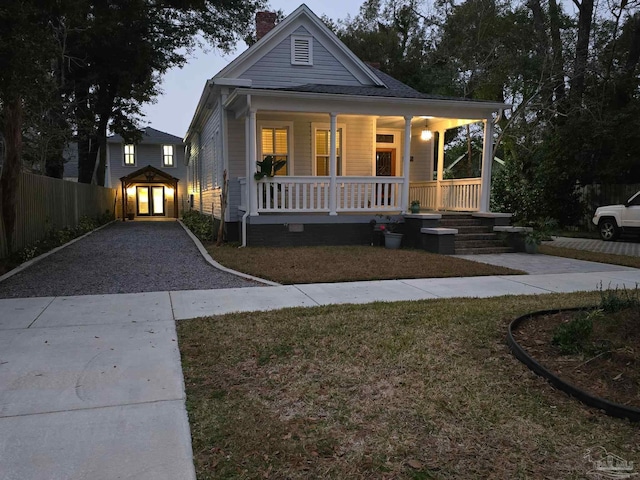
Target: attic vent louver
(301, 50)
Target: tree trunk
(557, 66)
(10, 178)
(582, 52)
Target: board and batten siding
(274, 69)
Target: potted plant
(130, 215)
(415, 206)
(541, 230)
(392, 240)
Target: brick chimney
(265, 21)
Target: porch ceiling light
(426, 134)
(169, 191)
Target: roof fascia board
(285, 28)
(202, 103)
(321, 102)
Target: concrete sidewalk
(91, 387)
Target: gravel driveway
(129, 257)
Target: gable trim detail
(302, 16)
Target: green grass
(290, 265)
(406, 390)
(624, 260)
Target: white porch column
(487, 160)
(406, 165)
(440, 169)
(333, 168)
(252, 155)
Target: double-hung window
(130, 155)
(322, 139)
(275, 142)
(167, 156)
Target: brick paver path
(631, 248)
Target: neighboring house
(150, 175)
(357, 143)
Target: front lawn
(290, 265)
(409, 390)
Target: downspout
(247, 183)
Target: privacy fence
(45, 203)
(594, 196)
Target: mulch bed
(613, 373)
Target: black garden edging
(610, 408)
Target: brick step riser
(462, 237)
(453, 223)
(466, 230)
(479, 244)
(480, 251)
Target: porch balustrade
(289, 194)
(460, 195)
(311, 194)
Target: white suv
(613, 220)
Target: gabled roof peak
(286, 27)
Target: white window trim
(135, 155)
(326, 126)
(276, 124)
(398, 141)
(309, 40)
(162, 164)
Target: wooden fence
(45, 203)
(594, 196)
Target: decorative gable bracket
(301, 50)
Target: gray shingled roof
(150, 136)
(394, 89)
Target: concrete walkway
(91, 386)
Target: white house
(356, 142)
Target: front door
(150, 201)
(385, 162)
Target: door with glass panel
(150, 201)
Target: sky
(182, 87)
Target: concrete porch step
(467, 222)
(481, 250)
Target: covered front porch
(368, 159)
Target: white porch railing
(293, 194)
(360, 194)
(311, 194)
(368, 193)
(462, 195)
(425, 193)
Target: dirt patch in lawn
(606, 363)
(290, 265)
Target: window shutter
(301, 51)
